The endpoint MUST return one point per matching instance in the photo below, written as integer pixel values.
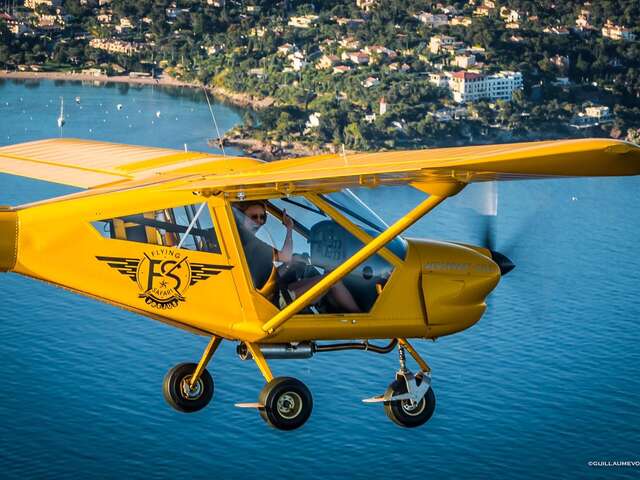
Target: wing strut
(360, 256)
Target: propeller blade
(489, 232)
(489, 211)
(488, 207)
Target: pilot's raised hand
(286, 221)
(285, 253)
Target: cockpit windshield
(350, 205)
(291, 243)
(360, 214)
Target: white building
(303, 21)
(433, 20)
(286, 49)
(298, 64)
(464, 61)
(327, 61)
(370, 82)
(359, 58)
(383, 106)
(598, 112)
(592, 117)
(439, 80)
(115, 46)
(437, 42)
(32, 4)
(366, 5)
(501, 86)
(380, 51)
(463, 21)
(471, 86)
(19, 28)
(616, 32)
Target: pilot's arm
(286, 252)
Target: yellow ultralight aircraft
(277, 256)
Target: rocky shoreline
(267, 151)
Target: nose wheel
(285, 403)
(409, 412)
(409, 400)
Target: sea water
(546, 382)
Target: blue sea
(546, 382)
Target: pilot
(260, 257)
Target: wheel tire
(176, 384)
(287, 403)
(400, 411)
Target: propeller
(488, 208)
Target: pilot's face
(254, 217)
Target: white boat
(119, 106)
(77, 99)
(158, 114)
(61, 116)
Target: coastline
(270, 151)
(244, 100)
(250, 146)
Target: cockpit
(291, 243)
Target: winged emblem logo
(163, 275)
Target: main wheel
(180, 396)
(287, 403)
(402, 412)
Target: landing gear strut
(284, 403)
(188, 387)
(409, 400)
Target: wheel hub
(190, 393)
(289, 405)
(413, 408)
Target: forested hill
(368, 74)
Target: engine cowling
(455, 282)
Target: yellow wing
(87, 164)
(91, 164)
(532, 160)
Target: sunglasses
(259, 217)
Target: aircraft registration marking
(458, 267)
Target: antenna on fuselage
(215, 124)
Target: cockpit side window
(188, 226)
